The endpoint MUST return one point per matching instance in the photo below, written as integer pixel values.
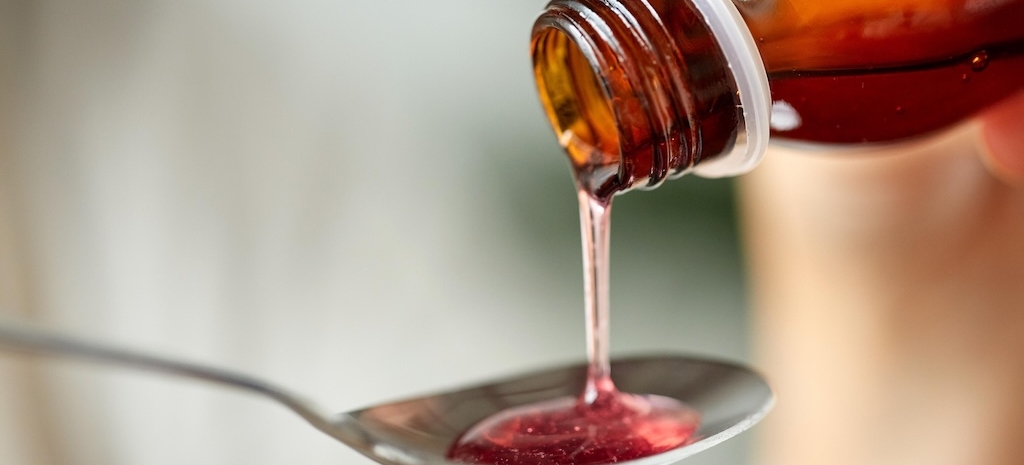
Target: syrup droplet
(965, 77)
(979, 61)
(899, 109)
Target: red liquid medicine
(614, 428)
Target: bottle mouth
(607, 97)
(568, 73)
(632, 107)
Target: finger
(1003, 137)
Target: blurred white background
(359, 200)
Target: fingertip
(1002, 133)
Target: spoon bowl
(419, 431)
(729, 398)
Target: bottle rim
(744, 60)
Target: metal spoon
(419, 431)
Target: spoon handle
(45, 342)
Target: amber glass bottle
(642, 90)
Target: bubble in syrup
(965, 77)
(979, 61)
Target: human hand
(1003, 135)
(888, 297)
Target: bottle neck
(638, 96)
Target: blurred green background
(361, 200)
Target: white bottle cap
(748, 70)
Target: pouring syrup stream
(601, 425)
